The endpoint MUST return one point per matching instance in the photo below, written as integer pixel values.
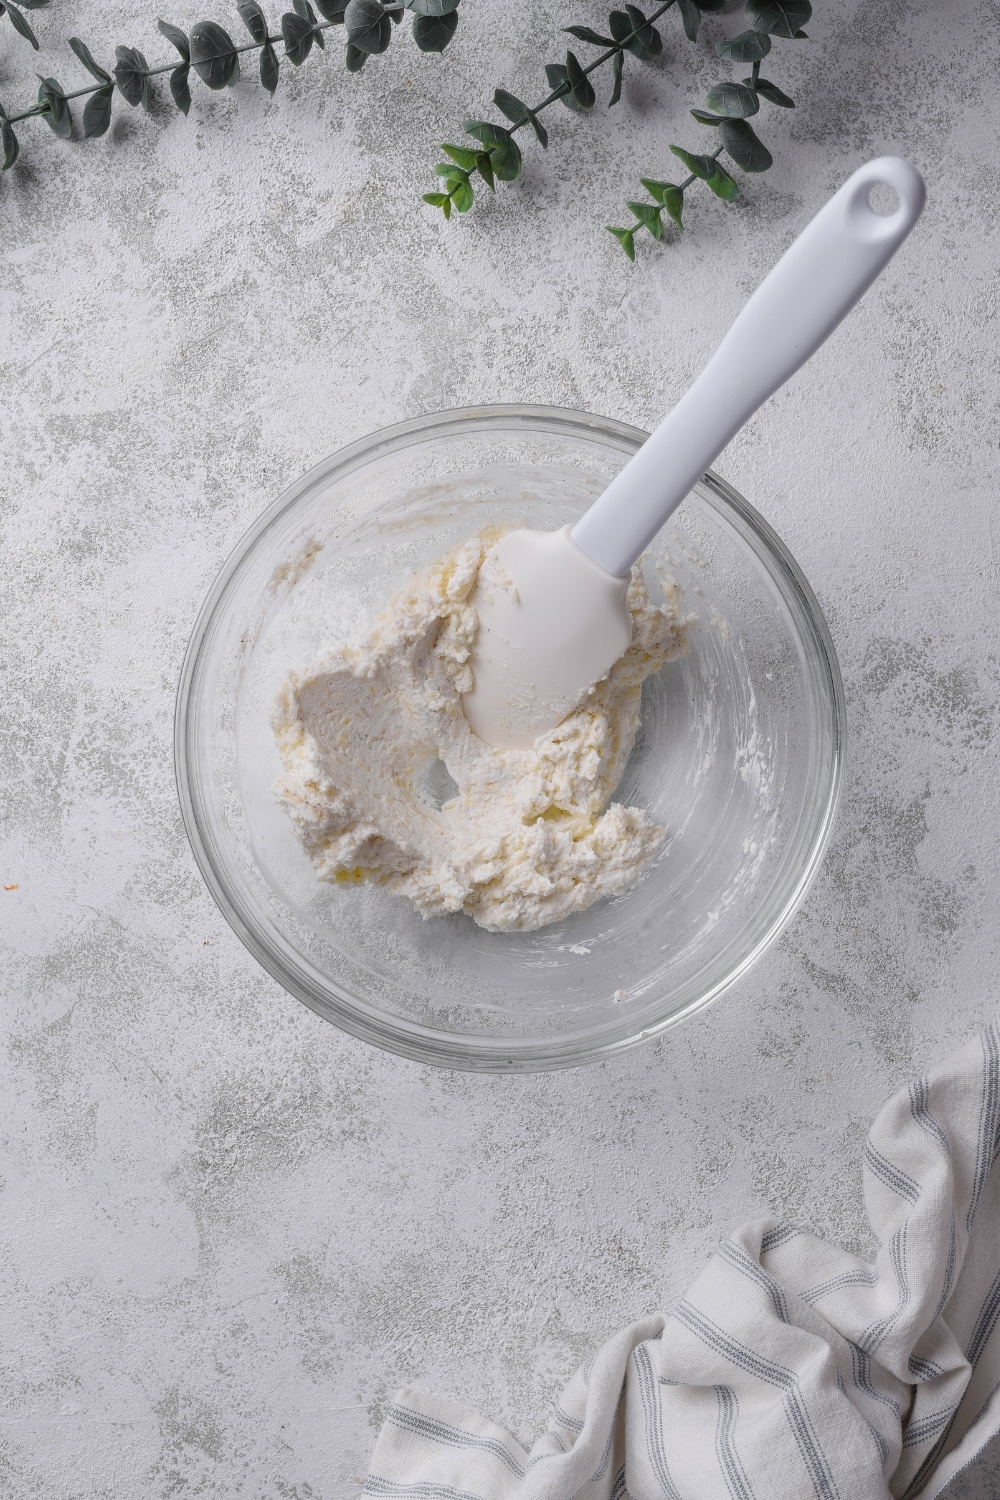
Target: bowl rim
(454, 1050)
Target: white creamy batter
(529, 837)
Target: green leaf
(647, 33)
(213, 55)
(305, 10)
(354, 58)
(722, 185)
(583, 90)
(485, 169)
(180, 91)
(297, 35)
(698, 166)
(505, 157)
(518, 112)
(332, 10)
(130, 75)
(773, 94)
(436, 200)
(58, 114)
(465, 156)
(691, 17)
(462, 195)
(178, 37)
(588, 34)
(704, 118)
(673, 203)
(368, 26)
(269, 67)
(648, 215)
(83, 53)
(734, 100)
(633, 32)
(625, 238)
(746, 149)
(20, 24)
(778, 17)
(431, 7)
(433, 33)
(254, 19)
(8, 140)
(97, 112)
(655, 188)
(749, 46)
(616, 91)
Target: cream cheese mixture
(529, 836)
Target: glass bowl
(739, 755)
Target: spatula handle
(794, 310)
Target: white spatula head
(552, 622)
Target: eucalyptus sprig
(497, 156)
(14, 11)
(730, 106)
(215, 57)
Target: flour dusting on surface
(529, 835)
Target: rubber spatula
(552, 606)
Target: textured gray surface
(229, 1232)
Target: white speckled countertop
(229, 1232)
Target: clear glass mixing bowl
(739, 754)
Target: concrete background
(229, 1233)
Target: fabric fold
(790, 1368)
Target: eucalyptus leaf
(432, 7)
(648, 215)
(778, 17)
(691, 18)
(20, 24)
(624, 32)
(97, 112)
(8, 140)
(180, 89)
(58, 113)
(735, 100)
(581, 86)
(673, 203)
(625, 238)
(698, 166)
(83, 53)
(505, 156)
(269, 67)
(745, 148)
(178, 37)
(647, 33)
(462, 195)
(518, 112)
(297, 35)
(355, 59)
(773, 94)
(463, 156)
(213, 55)
(130, 72)
(749, 46)
(722, 185)
(332, 10)
(616, 91)
(254, 20)
(433, 33)
(368, 26)
(588, 34)
(705, 118)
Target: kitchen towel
(790, 1368)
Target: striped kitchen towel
(790, 1369)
